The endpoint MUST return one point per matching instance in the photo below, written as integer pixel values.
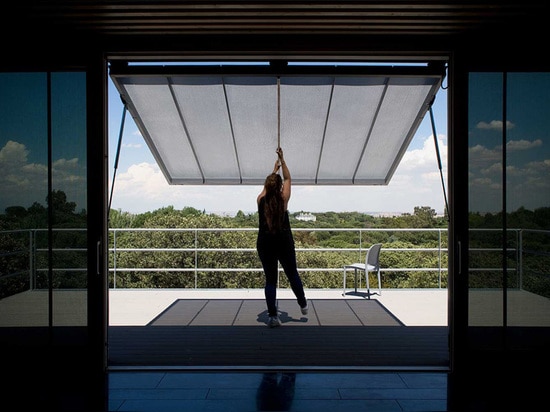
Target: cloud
(132, 145)
(143, 188)
(23, 183)
(527, 180)
(66, 164)
(481, 156)
(18, 177)
(540, 166)
(416, 182)
(494, 169)
(514, 145)
(424, 159)
(144, 179)
(494, 125)
(12, 154)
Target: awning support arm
(117, 153)
(439, 161)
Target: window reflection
(43, 164)
(275, 392)
(509, 199)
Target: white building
(306, 217)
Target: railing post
(196, 257)
(519, 257)
(360, 244)
(439, 257)
(32, 252)
(114, 259)
(360, 258)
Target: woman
(275, 242)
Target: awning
(221, 125)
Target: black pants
(274, 248)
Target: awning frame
(123, 70)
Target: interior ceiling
(330, 129)
(221, 125)
(175, 17)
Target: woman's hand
(280, 154)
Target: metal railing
(361, 249)
(36, 250)
(31, 252)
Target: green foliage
(19, 225)
(120, 219)
(529, 254)
(174, 243)
(308, 242)
(215, 249)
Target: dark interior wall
(516, 46)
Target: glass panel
(69, 223)
(23, 199)
(528, 198)
(485, 199)
(25, 219)
(509, 282)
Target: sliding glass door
(43, 202)
(509, 210)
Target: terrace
(224, 327)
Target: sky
(140, 186)
(527, 136)
(24, 138)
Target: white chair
(372, 264)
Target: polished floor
(159, 388)
(225, 333)
(272, 390)
(142, 388)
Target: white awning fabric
(219, 126)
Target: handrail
(115, 249)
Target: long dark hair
(274, 205)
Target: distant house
(386, 214)
(306, 217)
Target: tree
(424, 217)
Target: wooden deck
(227, 329)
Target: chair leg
(368, 283)
(379, 284)
(344, 288)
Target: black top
(263, 221)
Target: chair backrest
(373, 255)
